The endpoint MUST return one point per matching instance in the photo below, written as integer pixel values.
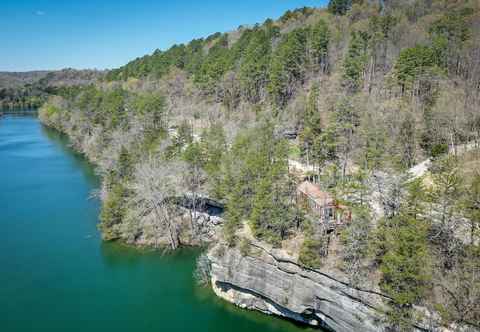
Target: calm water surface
(57, 275)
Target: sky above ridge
(55, 34)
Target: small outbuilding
(322, 205)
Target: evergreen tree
(405, 264)
(233, 211)
(312, 251)
(272, 212)
(319, 42)
(404, 275)
(374, 141)
(213, 145)
(355, 60)
(214, 66)
(262, 210)
(253, 68)
(412, 63)
(287, 66)
(339, 7)
(450, 33)
(150, 108)
(312, 124)
(324, 147)
(346, 121)
(113, 211)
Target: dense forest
(362, 94)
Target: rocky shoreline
(277, 285)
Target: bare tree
(356, 238)
(156, 185)
(390, 192)
(460, 289)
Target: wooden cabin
(322, 205)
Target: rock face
(269, 283)
(207, 228)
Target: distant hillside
(17, 79)
(31, 89)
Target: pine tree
(412, 63)
(405, 264)
(215, 64)
(312, 124)
(319, 42)
(287, 66)
(346, 121)
(355, 60)
(262, 209)
(113, 211)
(404, 274)
(253, 68)
(339, 7)
(233, 217)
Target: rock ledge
(274, 285)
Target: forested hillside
(32, 89)
(357, 94)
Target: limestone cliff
(265, 280)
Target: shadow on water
(119, 254)
(270, 322)
(178, 268)
(61, 141)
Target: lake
(57, 275)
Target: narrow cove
(57, 274)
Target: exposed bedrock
(269, 283)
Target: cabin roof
(313, 191)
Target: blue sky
(54, 34)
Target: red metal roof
(314, 192)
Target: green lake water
(57, 275)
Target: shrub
(311, 252)
(439, 150)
